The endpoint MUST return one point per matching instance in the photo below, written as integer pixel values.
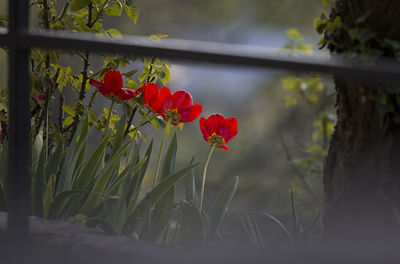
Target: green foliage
(221, 206)
(296, 45)
(356, 39)
(104, 187)
(309, 89)
(163, 210)
(306, 89)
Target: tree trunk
(362, 172)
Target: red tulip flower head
(218, 130)
(175, 108)
(112, 85)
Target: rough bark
(362, 172)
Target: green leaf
(119, 136)
(158, 192)
(114, 10)
(163, 209)
(68, 121)
(221, 206)
(129, 171)
(294, 34)
(54, 161)
(280, 224)
(69, 110)
(158, 36)
(191, 230)
(94, 198)
(114, 33)
(66, 176)
(60, 203)
(37, 147)
(92, 164)
(191, 194)
(129, 75)
(325, 2)
(79, 4)
(132, 12)
(128, 2)
(143, 169)
(48, 196)
(38, 184)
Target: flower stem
(144, 117)
(203, 182)
(109, 117)
(159, 153)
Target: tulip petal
(159, 103)
(232, 125)
(100, 87)
(214, 121)
(182, 99)
(204, 128)
(224, 148)
(113, 81)
(95, 83)
(149, 90)
(190, 113)
(127, 94)
(224, 132)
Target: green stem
(134, 135)
(159, 154)
(109, 117)
(203, 182)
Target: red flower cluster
(112, 85)
(175, 108)
(218, 130)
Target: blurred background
(272, 135)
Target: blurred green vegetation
(178, 18)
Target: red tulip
(175, 108)
(112, 85)
(218, 130)
(40, 97)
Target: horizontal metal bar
(211, 52)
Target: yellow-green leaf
(69, 110)
(68, 121)
(113, 10)
(294, 34)
(79, 4)
(114, 33)
(132, 12)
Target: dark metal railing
(211, 52)
(19, 40)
